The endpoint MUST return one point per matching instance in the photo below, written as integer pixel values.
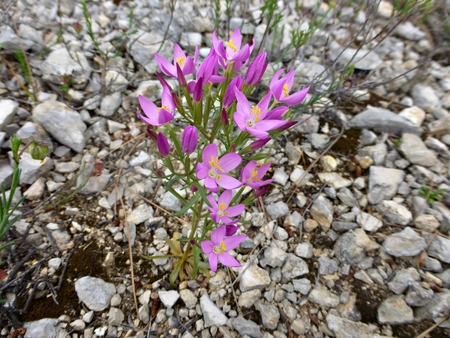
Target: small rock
(169, 298)
(383, 120)
(394, 212)
(368, 222)
(294, 267)
(304, 250)
(404, 243)
(189, 298)
(9, 110)
(277, 210)
(351, 247)
(246, 327)
(425, 97)
(327, 266)
(322, 211)
(343, 328)
(254, 278)
(416, 151)
(274, 256)
(435, 308)
(94, 292)
(383, 183)
(334, 180)
(302, 285)
(280, 177)
(269, 315)
(417, 295)
(414, 114)
(440, 249)
(402, 279)
(115, 316)
(212, 315)
(323, 297)
(393, 311)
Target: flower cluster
(223, 128)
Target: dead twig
(432, 327)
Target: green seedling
(430, 195)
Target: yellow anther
(222, 247)
(181, 61)
(257, 112)
(286, 89)
(163, 107)
(222, 206)
(254, 176)
(214, 162)
(231, 45)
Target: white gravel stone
(254, 278)
(169, 298)
(368, 222)
(212, 315)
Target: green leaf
(175, 249)
(175, 273)
(202, 192)
(196, 261)
(187, 206)
(157, 257)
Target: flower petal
(228, 182)
(210, 184)
(207, 246)
(233, 242)
(164, 117)
(228, 260)
(212, 201)
(166, 67)
(226, 198)
(235, 210)
(150, 109)
(218, 235)
(239, 119)
(262, 170)
(275, 78)
(211, 150)
(229, 161)
(213, 261)
(178, 52)
(295, 98)
(260, 134)
(201, 171)
(264, 104)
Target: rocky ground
(347, 243)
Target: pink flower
(217, 248)
(189, 139)
(221, 211)
(157, 116)
(213, 170)
(207, 72)
(186, 63)
(163, 145)
(231, 50)
(256, 70)
(252, 118)
(280, 89)
(252, 175)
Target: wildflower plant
(221, 131)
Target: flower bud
(78, 27)
(230, 94)
(189, 140)
(261, 191)
(194, 188)
(152, 134)
(288, 125)
(38, 151)
(198, 90)
(163, 145)
(256, 70)
(225, 121)
(181, 77)
(259, 144)
(163, 81)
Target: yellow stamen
(256, 111)
(163, 107)
(286, 89)
(254, 176)
(231, 45)
(222, 206)
(222, 247)
(215, 163)
(181, 61)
